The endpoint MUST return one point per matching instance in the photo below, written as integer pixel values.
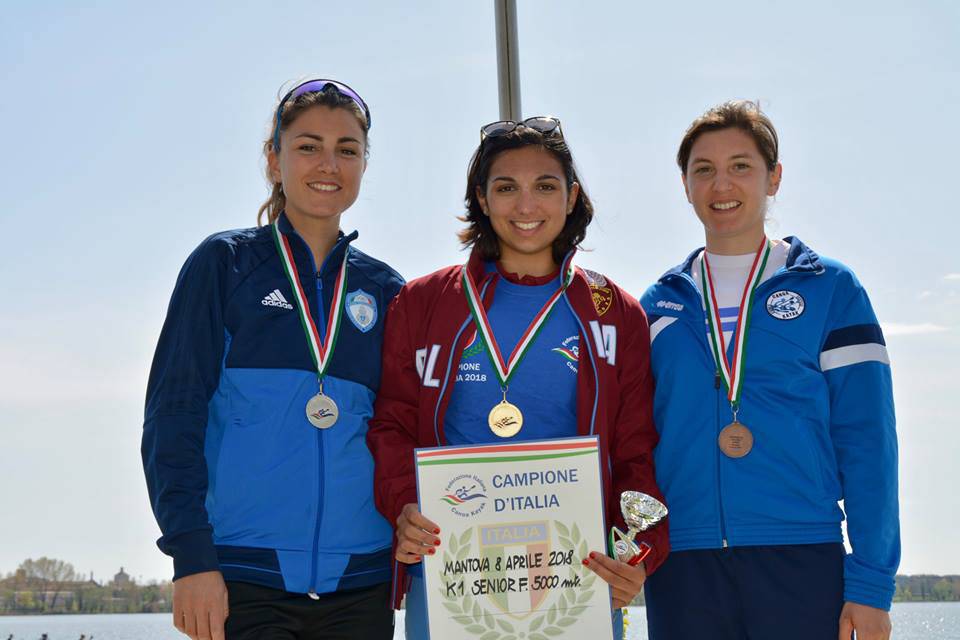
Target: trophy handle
(639, 550)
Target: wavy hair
(479, 232)
(329, 97)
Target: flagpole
(508, 59)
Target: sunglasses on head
(316, 86)
(543, 124)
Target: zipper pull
(716, 379)
(320, 284)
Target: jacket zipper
(718, 388)
(593, 363)
(723, 520)
(320, 475)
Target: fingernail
(436, 543)
(593, 555)
(436, 531)
(431, 551)
(585, 562)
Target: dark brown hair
(738, 114)
(330, 98)
(479, 232)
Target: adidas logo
(275, 299)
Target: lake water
(911, 621)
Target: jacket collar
(477, 267)
(800, 259)
(302, 253)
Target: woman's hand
(201, 605)
(625, 581)
(415, 535)
(869, 623)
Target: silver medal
(322, 411)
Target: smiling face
(527, 200)
(727, 182)
(320, 164)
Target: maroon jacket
(427, 328)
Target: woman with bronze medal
(259, 395)
(773, 402)
(517, 344)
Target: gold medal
(735, 440)
(322, 411)
(505, 419)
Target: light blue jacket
(818, 399)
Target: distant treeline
(925, 588)
(920, 588)
(48, 585)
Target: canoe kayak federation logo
(569, 350)
(466, 495)
(785, 305)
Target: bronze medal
(735, 440)
(505, 419)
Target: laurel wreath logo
(568, 608)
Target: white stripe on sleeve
(853, 354)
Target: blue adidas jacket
(239, 480)
(818, 398)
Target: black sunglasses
(543, 124)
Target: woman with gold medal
(773, 402)
(517, 344)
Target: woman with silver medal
(501, 348)
(773, 402)
(259, 395)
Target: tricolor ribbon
(504, 369)
(320, 350)
(732, 372)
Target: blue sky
(135, 131)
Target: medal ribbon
(320, 351)
(732, 371)
(505, 369)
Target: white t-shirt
(730, 276)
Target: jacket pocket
(265, 489)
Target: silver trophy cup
(640, 512)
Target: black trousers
(262, 613)
(791, 592)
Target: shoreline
(57, 614)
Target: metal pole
(508, 59)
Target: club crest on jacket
(362, 310)
(785, 305)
